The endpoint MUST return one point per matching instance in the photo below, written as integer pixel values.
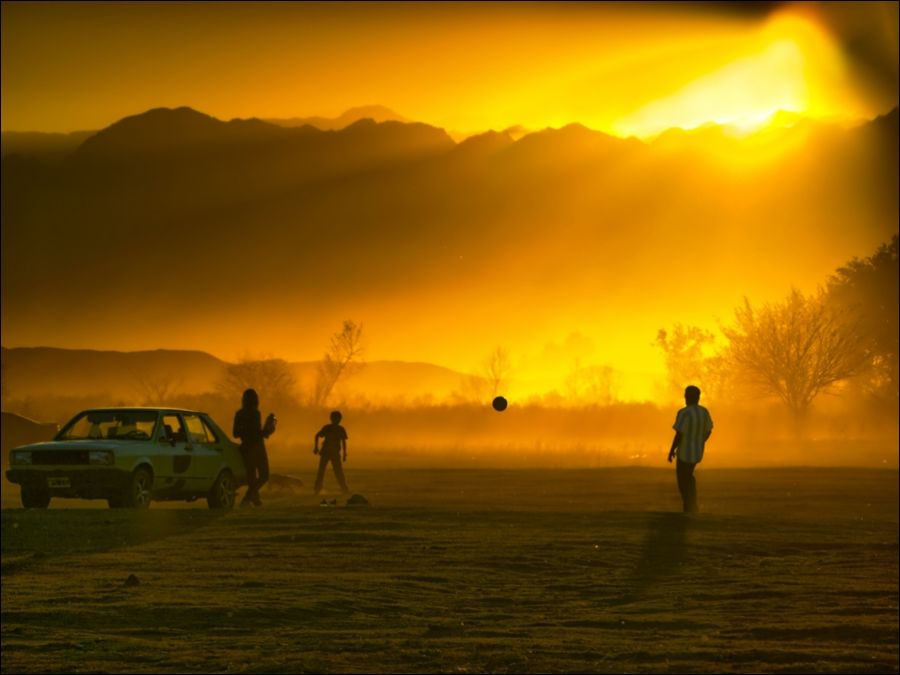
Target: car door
(228, 450)
(175, 460)
(207, 458)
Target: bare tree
(592, 384)
(157, 389)
(496, 369)
(794, 349)
(271, 378)
(690, 357)
(342, 359)
(472, 389)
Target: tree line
(841, 338)
(275, 383)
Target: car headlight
(101, 457)
(20, 457)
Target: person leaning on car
(248, 427)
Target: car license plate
(58, 482)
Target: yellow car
(130, 456)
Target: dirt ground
(786, 570)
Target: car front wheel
(137, 494)
(34, 497)
(221, 495)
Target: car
(129, 457)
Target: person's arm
(269, 427)
(675, 442)
(344, 443)
(238, 430)
(316, 446)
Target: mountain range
(376, 113)
(55, 146)
(173, 228)
(42, 372)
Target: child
(335, 440)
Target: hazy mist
(528, 217)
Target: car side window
(210, 432)
(173, 429)
(197, 430)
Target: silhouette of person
(693, 425)
(335, 440)
(252, 433)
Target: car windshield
(121, 424)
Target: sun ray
(792, 66)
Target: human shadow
(662, 553)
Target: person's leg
(250, 467)
(693, 506)
(687, 485)
(339, 473)
(320, 477)
(262, 466)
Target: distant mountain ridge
(48, 371)
(36, 372)
(184, 127)
(167, 129)
(189, 126)
(173, 220)
(180, 139)
(377, 113)
(47, 146)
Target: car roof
(144, 409)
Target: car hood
(88, 444)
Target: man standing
(693, 425)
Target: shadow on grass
(30, 536)
(662, 553)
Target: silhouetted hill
(34, 144)
(168, 146)
(490, 141)
(131, 377)
(517, 131)
(377, 113)
(48, 371)
(166, 130)
(16, 430)
(173, 223)
(889, 120)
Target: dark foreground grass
(463, 571)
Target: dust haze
(402, 211)
(587, 256)
(585, 277)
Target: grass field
(786, 570)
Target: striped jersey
(694, 424)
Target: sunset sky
(620, 68)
